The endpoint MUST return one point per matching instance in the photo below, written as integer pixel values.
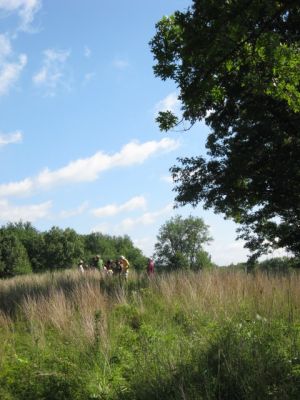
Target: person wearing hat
(80, 266)
(125, 266)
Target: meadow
(218, 334)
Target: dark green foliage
(31, 239)
(180, 244)
(237, 351)
(281, 265)
(278, 264)
(239, 363)
(63, 248)
(236, 64)
(112, 247)
(42, 377)
(13, 256)
(166, 120)
(23, 248)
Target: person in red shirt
(150, 267)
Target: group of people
(118, 267)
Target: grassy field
(214, 335)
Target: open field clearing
(214, 335)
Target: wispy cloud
(120, 63)
(169, 103)
(75, 211)
(32, 212)
(138, 202)
(10, 138)
(51, 76)
(88, 77)
(9, 70)
(147, 218)
(128, 224)
(89, 169)
(26, 10)
(87, 52)
(5, 47)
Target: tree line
(24, 249)
(180, 244)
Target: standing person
(98, 262)
(125, 266)
(150, 267)
(109, 267)
(117, 269)
(80, 266)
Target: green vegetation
(24, 249)
(180, 244)
(210, 335)
(236, 66)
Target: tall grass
(211, 335)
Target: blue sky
(79, 146)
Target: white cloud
(17, 188)
(87, 52)
(76, 211)
(120, 63)
(10, 72)
(26, 9)
(138, 202)
(147, 218)
(9, 138)
(89, 169)
(52, 74)
(32, 212)
(11, 66)
(169, 103)
(5, 47)
(127, 224)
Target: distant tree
(13, 256)
(236, 65)
(180, 244)
(32, 240)
(98, 243)
(278, 264)
(63, 248)
(203, 260)
(24, 249)
(112, 247)
(125, 246)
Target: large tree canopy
(180, 244)
(237, 66)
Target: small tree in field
(180, 244)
